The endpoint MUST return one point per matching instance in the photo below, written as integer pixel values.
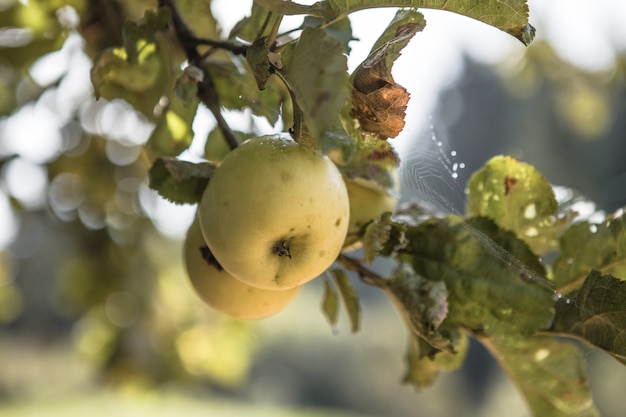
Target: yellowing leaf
(349, 297)
(549, 373)
(517, 198)
(585, 246)
(315, 69)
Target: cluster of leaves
(483, 276)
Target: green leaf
(257, 25)
(422, 370)
(237, 89)
(382, 237)
(173, 132)
(397, 35)
(186, 85)
(199, 17)
(510, 16)
(257, 56)
(315, 69)
(330, 303)
(549, 373)
(340, 30)
(495, 283)
(596, 313)
(518, 198)
(42, 32)
(113, 66)
(139, 35)
(424, 306)
(180, 182)
(349, 297)
(216, 148)
(586, 246)
(378, 103)
(139, 72)
(287, 7)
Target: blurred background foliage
(95, 310)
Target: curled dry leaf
(378, 102)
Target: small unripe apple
(368, 201)
(221, 291)
(275, 213)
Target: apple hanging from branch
(275, 213)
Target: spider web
(434, 175)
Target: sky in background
(586, 33)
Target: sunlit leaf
(586, 246)
(173, 132)
(518, 198)
(139, 35)
(510, 16)
(178, 181)
(495, 283)
(315, 69)
(549, 373)
(139, 72)
(199, 17)
(349, 297)
(372, 165)
(596, 313)
(237, 89)
(255, 26)
(32, 31)
(113, 67)
(340, 30)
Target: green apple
(221, 291)
(368, 201)
(275, 213)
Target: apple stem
(281, 248)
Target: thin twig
(207, 94)
(366, 275)
(206, 89)
(235, 48)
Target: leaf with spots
(315, 69)
(424, 305)
(517, 198)
(585, 246)
(596, 313)
(549, 373)
(495, 284)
